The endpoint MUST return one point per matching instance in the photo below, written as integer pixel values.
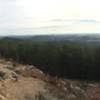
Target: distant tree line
(57, 58)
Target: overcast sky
(49, 16)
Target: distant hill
(12, 38)
(77, 38)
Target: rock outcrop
(26, 82)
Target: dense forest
(69, 60)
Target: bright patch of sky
(49, 16)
